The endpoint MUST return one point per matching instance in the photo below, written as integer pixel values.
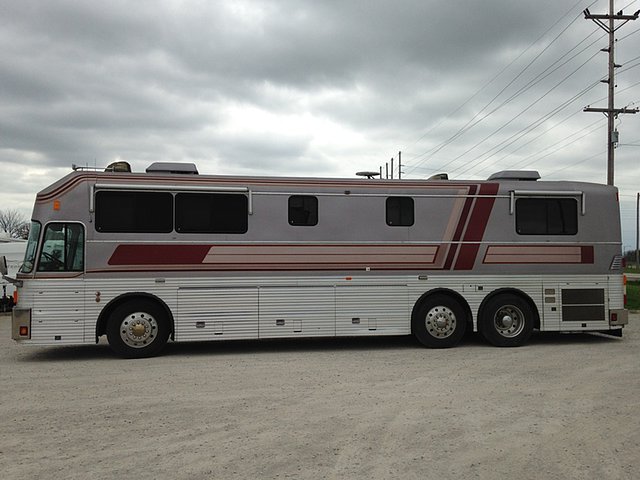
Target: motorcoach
(170, 254)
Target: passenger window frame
(569, 217)
(312, 218)
(400, 221)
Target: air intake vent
(522, 175)
(170, 167)
(439, 176)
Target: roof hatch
(522, 175)
(173, 167)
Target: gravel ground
(565, 406)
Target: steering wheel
(53, 259)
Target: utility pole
(391, 168)
(638, 232)
(611, 112)
(399, 165)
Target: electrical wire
(531, 105)
(525, 160)
(467, 126)
(522, 133)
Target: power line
(467, 126)
(540, 154)
(545, 132)
(522, 112)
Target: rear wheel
(137, 329)
(507, 321)
(439, 321)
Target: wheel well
(103, 318)
(445, 291)
(516, 292)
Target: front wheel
(507, 321)
(439, 321)
(137, 329)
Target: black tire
(138, 328)
(507, 320)
(439, 321)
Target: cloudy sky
(319, 88)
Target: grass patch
(633, 295)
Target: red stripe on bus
(477, 226)
(159, 254)
(587, 254)
(467, 256)
(453, 249)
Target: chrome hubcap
(138, 329)
(509, 321)
(440, 321)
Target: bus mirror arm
(3, 271)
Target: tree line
(13, 224)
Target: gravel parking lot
(565, 406)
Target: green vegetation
(633, 295)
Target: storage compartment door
(217, 314)
(297, 311)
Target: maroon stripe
(453, 248)
(477, 226)
(159, 254)
(481, 213)
(586, 254)
(467, 256)
(465, 214)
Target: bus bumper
(21, 323)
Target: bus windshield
(32, 247)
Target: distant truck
(13, 250)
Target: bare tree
(14, 224)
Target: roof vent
(439, 176)
(173, 167)
(522, 175)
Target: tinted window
(400, 211)
(211, 213)
(546, 216)
(303, 210)
(134, 212)
(62, 248)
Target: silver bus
(170, 254)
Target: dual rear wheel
(440, 321)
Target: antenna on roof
(369, 175)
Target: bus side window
(62, 248)
(211, 213)
(399, 211)
(546, 216)
(303, 210)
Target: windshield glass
(32, 247)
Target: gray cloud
(302, 88)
